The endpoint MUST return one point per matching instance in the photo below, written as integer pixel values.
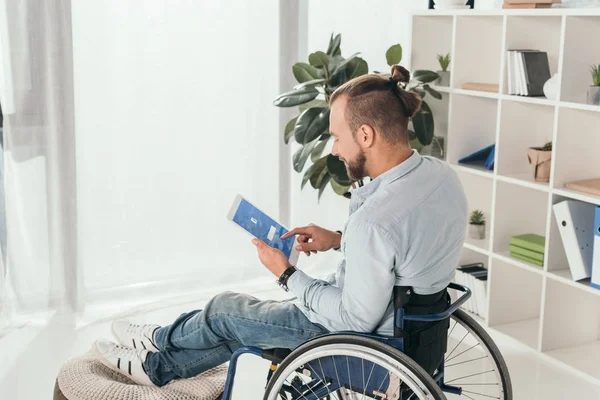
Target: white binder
(596, 264)
(575, 221)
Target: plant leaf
(315, 168)
(425, 76)
(296, 97)
(337, 169)
(423, 124)
(313, 103)
(301, 155)
(323, 184)
(289, 130)
(309, 83)
(432, 91)
(304, 72)
(318, 150)
(334, 45)
(318, 59)
(357, 67)
(394, 55)
(337, 188)
(340, 67)
(318, 175)
(311, 123)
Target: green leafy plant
(317, 80)
(595, 69)
(547, 146)
(477, 218)
(444, 61)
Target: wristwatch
(341, 234)
(282, 281)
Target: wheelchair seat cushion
(86, 378)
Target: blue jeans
(203, 339)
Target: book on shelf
(527, 259)
(575, 220)
(474, 276)
(526, 252)
(527, 71)
(481, 86)
(529, 241)
(588, 186)
(531, 1)
(526, 5)
(482, 158)
(596, 255)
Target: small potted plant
(477, 225)
(540, 158)
(444, 79)
(593, 94)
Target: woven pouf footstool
(86, 378)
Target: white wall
(174, 116)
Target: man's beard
(356, 167)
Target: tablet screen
(263, 227)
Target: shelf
(579, 106)
(510, 12)
(475, 93)
(524, 179)
(583, 358)
(474, 169)
(505, 256)
(564, 276)
(529, 100)
(481, 249)
(526, 332)
(572, 194)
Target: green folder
(529, 241)
(527, 259)
(527, 253)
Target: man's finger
(304, 230)
(309, 246)
(258, 243)
(303, 238)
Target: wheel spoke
(468, 376)
(472, 347)
(465, 362)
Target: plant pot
(551, 87)
(477, 231)
(541, 161)
(444, 79)
(593, 95)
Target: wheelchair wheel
(473, 363)
(350, 367)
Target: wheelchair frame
(395, 342)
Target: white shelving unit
(542, 307)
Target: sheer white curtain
(174, 117)
(38, 158)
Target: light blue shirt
(406, 228)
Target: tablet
(258, 224)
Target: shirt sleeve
(368, 284)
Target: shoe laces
(139, 330)
(126, 353)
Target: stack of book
(528, 247)
(527, 71)
(474, 276)
(529, 3)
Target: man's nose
(334, 151)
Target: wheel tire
(487, 341)
(373, 344)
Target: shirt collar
(388, 176)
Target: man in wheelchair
(404, 233)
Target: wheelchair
(457, 359)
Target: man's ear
(366, 136)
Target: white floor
(31, 357)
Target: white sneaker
(139, 337)
(124, 360)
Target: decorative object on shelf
(317, 80)
(589, 186)
(528, 247)
(481, 158)
(575, 220)
(481, 86)
(512, 4)
(444, 74)
(551, 87)
(527, 71)
(477, 225)
(596, 257)
(540, 158)
(474, 276)
(450, 4)
(593, 94)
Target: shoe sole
(107, 364)
(112, 329)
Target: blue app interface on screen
(263, 227)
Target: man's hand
(272, 258)
(320, 239)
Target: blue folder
(483, 157)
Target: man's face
(344, 142)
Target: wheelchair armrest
(443, 315)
